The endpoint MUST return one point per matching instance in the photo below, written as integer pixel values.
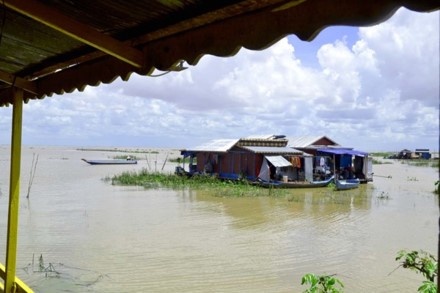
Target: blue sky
(372, 88)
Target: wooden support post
(14, 191)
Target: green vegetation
(423, 263)
(379, 162)
(124, 157)
(181, 160)
(422, 163)
(138, 151)
(381, 154)
(331, 185)
(322, 284)
(151, 180)
(418, 261)
(383, 195)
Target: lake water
(104, 238)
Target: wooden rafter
(77, 30)
(182, 26)
(18, 82)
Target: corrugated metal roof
(217, 145)
(305, 141)
(273, 150)
(91, 42)
(265, 136)
(278, 161)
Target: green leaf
(428, 287)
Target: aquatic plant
(381, 154)
(421, 262)
(152, 180)
(422, 163)
(118, 150)
(124, 157)
(383, 195)
(322, 283)
(182, 160)
(331, 186)
(379, 162)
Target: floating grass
(124, 157)
(381, 154)
(137, 151)
(181, 160)
(217, 187)
(379, 162)
(423, 163)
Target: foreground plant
(421, 262)
(322, 284)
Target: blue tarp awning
(343, 152)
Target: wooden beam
(182, 26)
(77, 30)
(18, 82)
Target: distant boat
(345, 184)
(295, 184)
(111, 162)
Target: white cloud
(381, 92)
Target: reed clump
(422, 163)
(227, 188)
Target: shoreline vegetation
(221, 188)
(378, 156)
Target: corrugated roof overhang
(56, 46)
(336, 151)
(278, 161)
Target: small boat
(294, 184)
(347, 184)
(111, 162)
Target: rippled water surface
(104, 238)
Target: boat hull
(347, 184)
(110, 162)
(293, 184)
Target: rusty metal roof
(306, 141)
(55, 46)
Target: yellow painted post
(14, 191)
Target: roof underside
(55, 46)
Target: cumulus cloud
(380, 92)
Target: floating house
(264, 157)
(274, 157)
(423, 154)
(329, 156)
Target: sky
(372, 88)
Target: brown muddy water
(104, 238)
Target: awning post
(14, 190)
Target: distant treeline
(138, 151)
